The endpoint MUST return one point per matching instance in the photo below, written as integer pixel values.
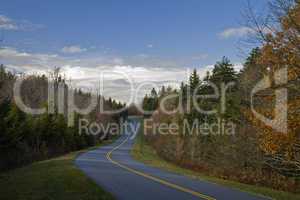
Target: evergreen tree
(223, 72)
(153, 93)
(194, 80)
(163, 91)
(150, 103)
(2, 72)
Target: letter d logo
(279, 123)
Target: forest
(257, 153)
(25, 138)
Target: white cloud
(238, 67)
(150, 46)
(118, 61)
(200, 57)
(85, 72)
(7, 23)
(73, 49)
(235, 32)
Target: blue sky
(166, 34)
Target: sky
(140, 41)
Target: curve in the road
(166, 183)
(113, 168)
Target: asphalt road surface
(112, 168)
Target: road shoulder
(146, 154)
(57, 178)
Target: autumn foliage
(257, 154)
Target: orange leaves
(282, 49)
(272, 142)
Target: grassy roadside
(56, 178)
(146, 154)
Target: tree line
(257, 153)
(25, 138)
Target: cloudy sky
(136, 41)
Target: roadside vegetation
(25, 138)
(252, 152)
(57, 178)
(145, 153)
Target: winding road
(113, 168)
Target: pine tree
(153, 93)
(223, 72)
(194, 80)
(4, 110)
(2, 72)
(163, 91)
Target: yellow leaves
(272, 142)
(281, 50)
(292, 20)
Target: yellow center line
(161, 181)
